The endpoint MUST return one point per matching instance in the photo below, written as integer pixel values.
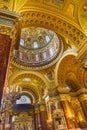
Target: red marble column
(65, 113)
(36, 119)
(5, 44)
(74, 118)
(50, 108)
(69, 115)
(43, 117)
(84, 109)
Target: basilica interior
(43, 64)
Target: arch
(66, 71)
(36, 74)
(65, 54)
(57, 23)
(30, 89)
(33, 98)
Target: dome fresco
(35, 37)
(38, 46)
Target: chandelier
(10, 97)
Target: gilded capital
(82, 97)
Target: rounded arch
(29, 94)
(65, 54)
(33, 90)
(31, 74)
(67, 72)
(57, 23)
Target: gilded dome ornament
(38, 47)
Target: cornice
(17, 75)
(27, 67)
(9, 14)
(79, 93)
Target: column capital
(36, 110)
(42, 107)
(82, 97)
(64, 97)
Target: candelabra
(8, 101)
(10, 97)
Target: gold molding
(28, 72)
(82, 97)
(64, 97)
(56, 23)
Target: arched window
(51, 51)
(23, 100)
(21, 42)
(35, 45)
(47, 39)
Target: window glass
(51, 51)
(21, 42)
(47, 39)
(35, 45)
(23, 100)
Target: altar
(23, 122)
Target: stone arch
(31, 95)
(67, 53)
(31, 90)
(53, 22)
(35, 86)
(31, 74)
(67, 72)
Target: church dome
(35, 37)
(38, 46)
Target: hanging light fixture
(9, 98)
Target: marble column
(83, 101)
(50, 107)
(63, 104)
(74, 120)
(69, 112)
(5, 45)
(36, 118)
(43, 116)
